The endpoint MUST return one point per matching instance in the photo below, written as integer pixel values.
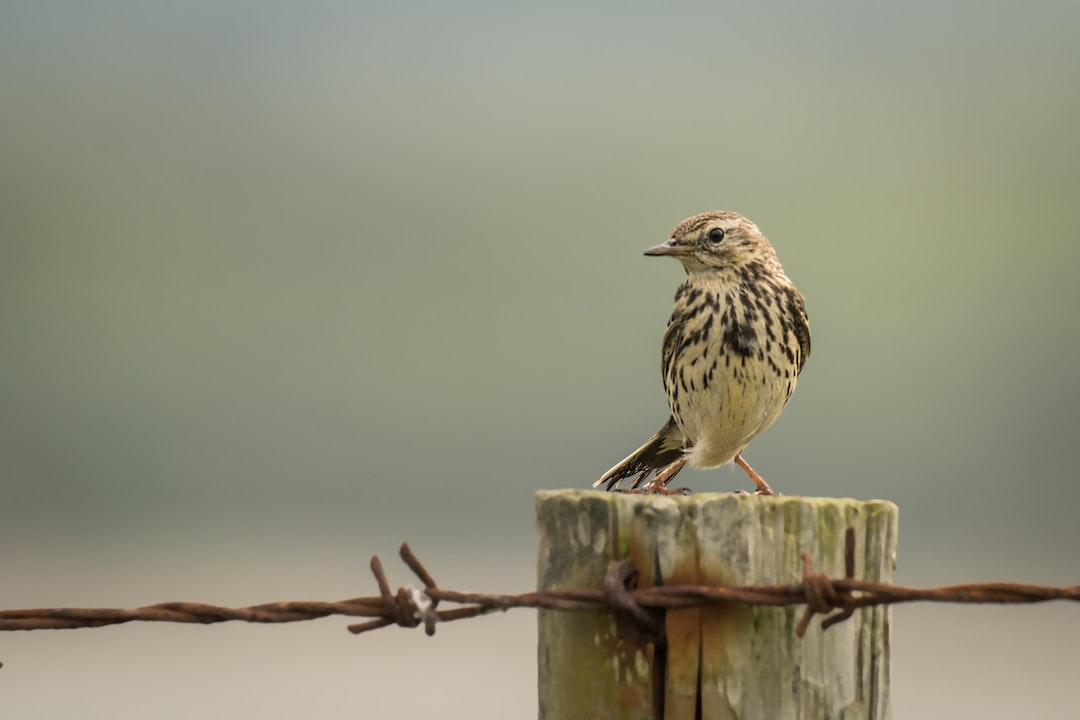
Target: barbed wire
(412, 605)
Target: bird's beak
(670, 248)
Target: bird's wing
(670, 347)
(801, 322)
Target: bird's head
(715, 240)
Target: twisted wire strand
(412, 605)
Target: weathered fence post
(730, 662)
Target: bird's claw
(657, 490)
(760, 493)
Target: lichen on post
(731, 661)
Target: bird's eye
(716, 235)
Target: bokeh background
(284, 284)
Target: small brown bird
(733, 349)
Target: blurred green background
(284, 284)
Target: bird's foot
(655, 488)
(762, 486)
(658, 485)
(768, 491)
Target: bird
(732, 352)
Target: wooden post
(725, 663)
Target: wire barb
(822, 596)
(617, 582)
(424, 602)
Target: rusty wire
(411, 606)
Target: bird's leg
(762, 486)
(658, 485)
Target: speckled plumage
(733, 350)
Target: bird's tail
(662, 449)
